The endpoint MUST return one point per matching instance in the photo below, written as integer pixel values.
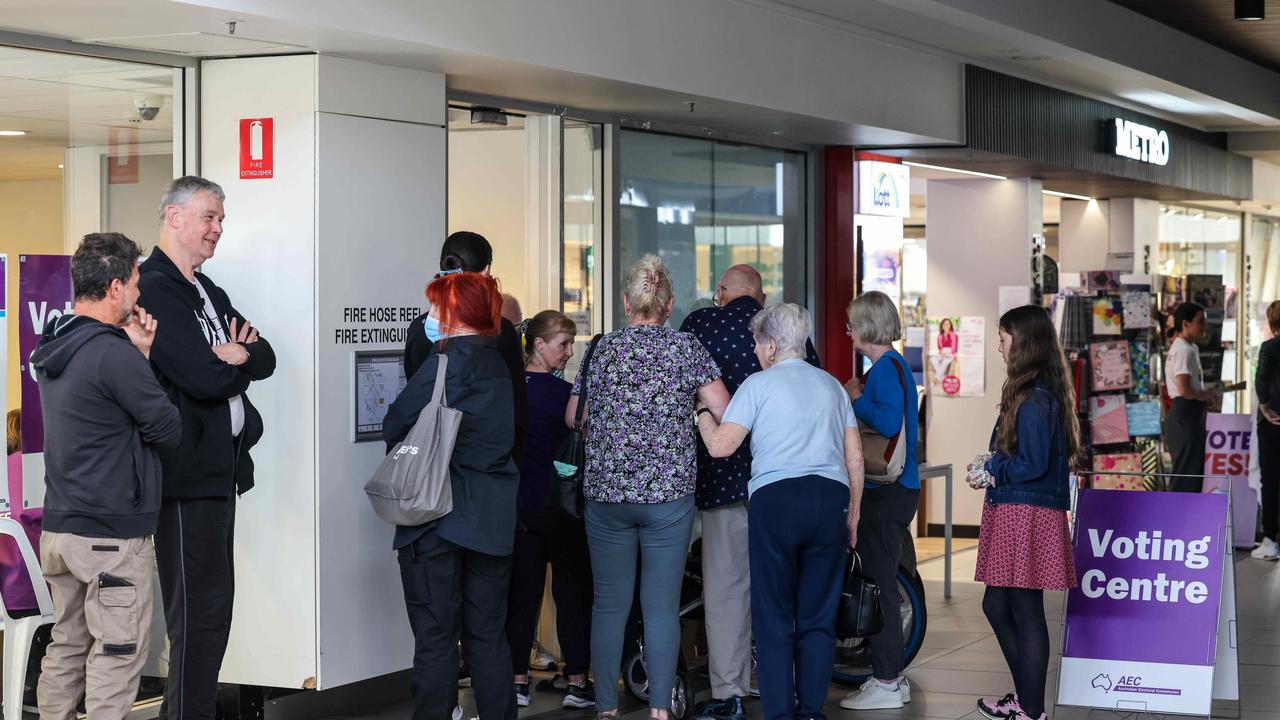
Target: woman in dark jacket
(471, 252)
(1267, 383)
(456, 570)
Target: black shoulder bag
(564, 496)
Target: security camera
(148, 106)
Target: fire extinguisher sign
(257, 141)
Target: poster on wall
(882, 268)
(44, 295)
(4, 352)
(1226, 453)
(957, 356)
(1141, 627)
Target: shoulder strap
(438, 393)
(586, 365)
(906, 404)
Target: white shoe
(905, 686)
(875, 695)
(1268, 550)
(457, 712)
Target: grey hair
(875, 317)
(648, 287)
(787, 325)
(182, 189)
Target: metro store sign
(1140, 142)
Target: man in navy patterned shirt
(721, 495)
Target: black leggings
(1017, 616)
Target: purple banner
(44, 295)
(1150, 571)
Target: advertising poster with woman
(956, 350)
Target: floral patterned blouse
(640, 400)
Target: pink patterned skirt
(1025, 546)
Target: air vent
(195, 44)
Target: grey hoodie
(104, 415)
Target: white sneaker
(875, 695)
(457, 712)
(1268, 550)
(905, 686)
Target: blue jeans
(798, 534)
(659, 534)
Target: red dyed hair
(467, 298)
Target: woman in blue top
(1024, 546)
(886, 402)
(805, 493)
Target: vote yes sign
(1226, 453)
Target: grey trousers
(726, 587)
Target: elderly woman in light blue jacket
(805, 491)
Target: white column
(353, 218)
(979, 240)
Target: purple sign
(1150, 572)
(44, 295)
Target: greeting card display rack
(1110, 332)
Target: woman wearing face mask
(471, 252)
(542, 537)
(456, 570)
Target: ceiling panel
(1213, 21)
(65, 101)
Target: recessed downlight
(12, 133)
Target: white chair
(19, 632)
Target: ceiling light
(1251, 9)
(974, 173)
(12, 133)
(59, 166)
(1066, 195)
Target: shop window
(100, 141)
(1194, 241)
(1262, 265)
(704, 206)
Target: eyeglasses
(719, 293)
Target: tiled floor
(958, 662)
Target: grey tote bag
(411, 486)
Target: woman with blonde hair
(641, 467)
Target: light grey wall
(979, 239)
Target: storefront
(1047, 179)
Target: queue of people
(731, 416)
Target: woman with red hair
(455, 570)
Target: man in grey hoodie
(104, 416)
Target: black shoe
(522, 694)
(580, 696)
(730, 709)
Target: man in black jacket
(104, 417)
(205, 360)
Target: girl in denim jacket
(1025, 546)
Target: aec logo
(885, 192)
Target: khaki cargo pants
(102, 598)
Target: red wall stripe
(838, 261)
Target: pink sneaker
(999, 708)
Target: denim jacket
(1038, 474)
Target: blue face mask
(432, 328)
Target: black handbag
(859, 615)
(564, 496)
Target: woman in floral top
(641, 467)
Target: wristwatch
(700, 411)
